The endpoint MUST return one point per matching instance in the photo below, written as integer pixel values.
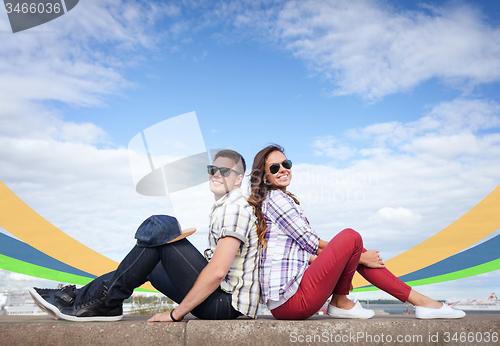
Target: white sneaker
(445, 311)
(356, 312)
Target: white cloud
(16, 282)
(407, 181)
(69, 172)
(446, 147)
(363, 47)
(77, 59)
(410, 179)
(86, 192)
(450, 129)
(330, 147)
(398, 216)
(371, 49)
(463, 115)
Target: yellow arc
(23, 222)
(479, 222)
(20, 220)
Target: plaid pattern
(290, 244)
(232, 216)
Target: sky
(389, 111)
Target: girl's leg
(341, 301)
(331, 271)
(419, 299)
(425, 307)
(386, 281)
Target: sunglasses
(275, 167)
(225, 172)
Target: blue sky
(403, 92)
(246, 79)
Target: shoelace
(92, 299)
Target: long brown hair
(259, 188)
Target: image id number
(471, 337)
(33, 8)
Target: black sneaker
(94, 309)
(53, 300)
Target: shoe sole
(431, 315)
(44, 305)
(344, 314)
(352, 317)
(90, 318)
(436, 317)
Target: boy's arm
(208, 280)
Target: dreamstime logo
(334, 187)
(169, 159)
(27, 14)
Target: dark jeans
(171, 268)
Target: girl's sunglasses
(224, 171)
(275, 167)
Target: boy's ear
(239, 180)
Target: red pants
(332, 272)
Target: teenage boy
(223, 284)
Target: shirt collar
(232, 196)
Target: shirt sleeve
(286, 215)
(235, 222)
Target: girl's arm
(322, 244)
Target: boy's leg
(110, 289)
(53, 300)
(90, 289)
(174, 277)
(183, 264)
(132, 272)
(158, 278)
(162, 282)
(142, 264)
(102, 299)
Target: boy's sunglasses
(275, 167)
(225, 172)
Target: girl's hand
(312, 258)
(321, 245)
(371, 259)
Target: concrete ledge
(319, 330)
(132, 330)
